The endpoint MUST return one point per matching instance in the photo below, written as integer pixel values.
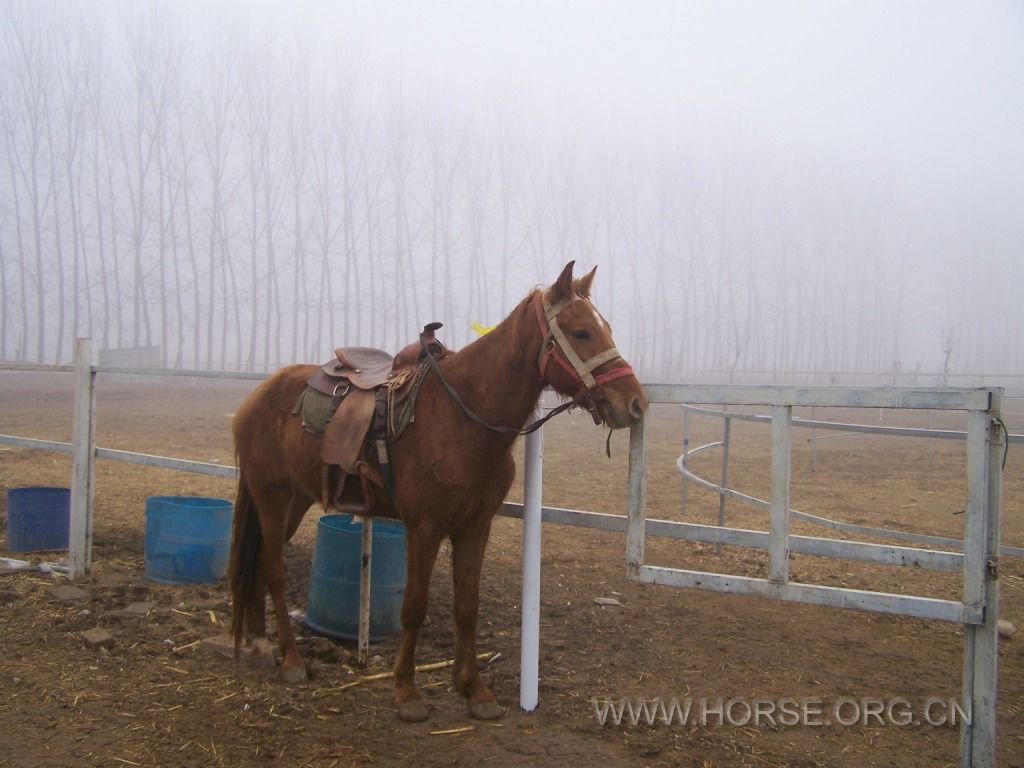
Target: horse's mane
(516, 318)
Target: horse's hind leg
(467, 560)
(281, 509)
(256, 621)
(256, 614)
(422, 543)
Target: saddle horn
(414, 352)
(429, 328)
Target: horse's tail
(246, 541)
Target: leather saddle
(367, 368)
(364, 383)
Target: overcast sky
(934, 87)
(922, 98)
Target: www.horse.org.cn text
(845, 711)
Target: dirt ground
(158, 698)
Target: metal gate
(978, 611)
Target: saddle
(367, 397)
(367, 368)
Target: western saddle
(372, 399)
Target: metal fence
(977, 611)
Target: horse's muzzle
(617, 417)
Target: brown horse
(451, 474)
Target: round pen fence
(977, 560)
(847, 430)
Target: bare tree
(21, 343)
(478, 172)
(4, 294)
(445, 143)
(299, 116)
(400, 150)
(353, 127)
(326, 231)
(947, 334)
(80, 46)
(216, 131)
(30, 77)
(147, 70)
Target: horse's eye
(581, 335)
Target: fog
(772, 191)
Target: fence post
(636, 526)
(985, 442)
(684, 498)
(726, 430)
(529, 648)
(931, 441)
(814, 444)
(83, 461)
(782, 442)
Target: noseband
(556, 347)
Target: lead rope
(1006, 440)
(473, 417)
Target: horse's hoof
(413, 711)
(486, 710)
(293, 675)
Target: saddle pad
(316, 410)
(346, 431)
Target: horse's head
(578, 357)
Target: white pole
(529, 654)
(82, 462)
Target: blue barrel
(188, 538)
(38, 518)
(332, 603)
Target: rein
(580, 371)
(533, 427)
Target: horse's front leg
(467, 560)
(421, 547)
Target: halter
(582, 372)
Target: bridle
(556, 347)
(555, 342)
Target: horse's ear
(584, 283)
(562, 289)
